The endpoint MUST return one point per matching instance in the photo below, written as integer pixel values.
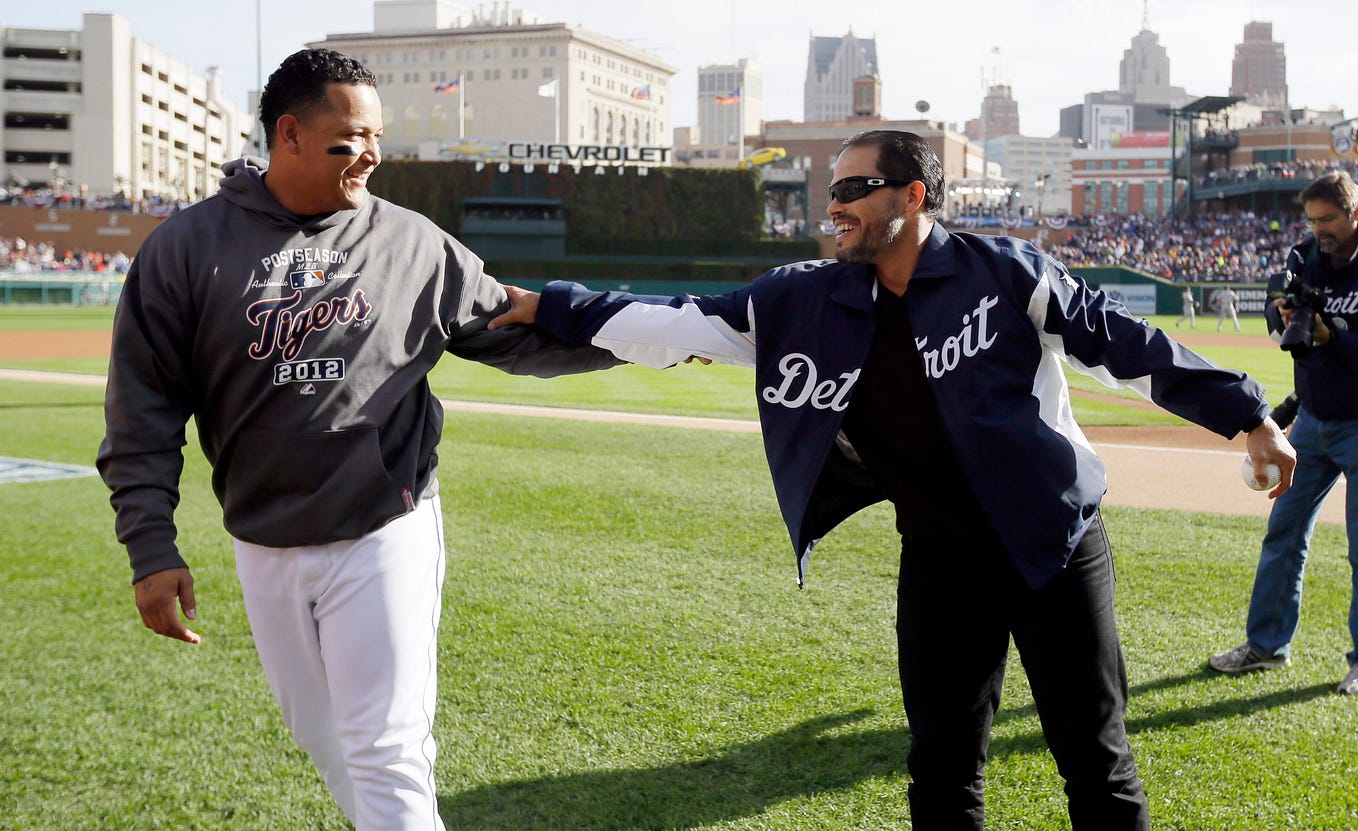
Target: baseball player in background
(296, 317)
(1226, 301)
(924, 368)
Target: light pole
(1041, 185)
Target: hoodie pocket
(285, 489)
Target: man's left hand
(523, 308)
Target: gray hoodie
(301, 347)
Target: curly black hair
(298, 85)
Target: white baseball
(1275, 475)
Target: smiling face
(869, 228)
(322, 160)
(1336, 231)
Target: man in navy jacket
(924, 367)
(1325, 434)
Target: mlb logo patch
(306, 279)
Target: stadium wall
(68, 230)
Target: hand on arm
(523, 308)
(156, 596)
(1267, 445)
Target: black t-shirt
(893, 423)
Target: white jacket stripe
(662, 336)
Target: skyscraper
(1259, 71)
(999, 115)
(832, 66)
(1144, 71)
(730, 102)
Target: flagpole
(557, 108)
(461, 108)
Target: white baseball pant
(347, 636)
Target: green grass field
(624, 647)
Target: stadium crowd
(18, 255)
(1203, 248)
(1304, 170)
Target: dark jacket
(994, 318)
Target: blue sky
(1050, 51)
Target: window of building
(36, 157)
(38, 121)
(161, 76)
(412, 121)
(181, 145)
(548, 72)
(18, 85)
(57, 53)
(181, 89)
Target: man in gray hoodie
(296, 317)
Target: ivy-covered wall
(687, 212)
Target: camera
(1305, 302)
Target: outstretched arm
(523, 308)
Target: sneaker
(1349, 686)
(1245, 658)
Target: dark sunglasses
(853, 188)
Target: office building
(1259, 71)
(832, 66)
(999, 115)
(99, 109)
(457, 83)
(730, 102)
(1039, 168)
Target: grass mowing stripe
(624, 648)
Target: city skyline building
(1040, 169)
(999, 115)
(1259, 70)
(461, 84)
(1144, 72)
(722, 120)
(833, 64)
(100, 110)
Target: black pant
(957, 605)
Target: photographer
(1325, 434)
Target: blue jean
(1324, 450)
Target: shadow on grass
(1165, 719)
(741, 781)
(746, 779)
(50, 405)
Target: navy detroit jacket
(993, 318)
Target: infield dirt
(1180, 467)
